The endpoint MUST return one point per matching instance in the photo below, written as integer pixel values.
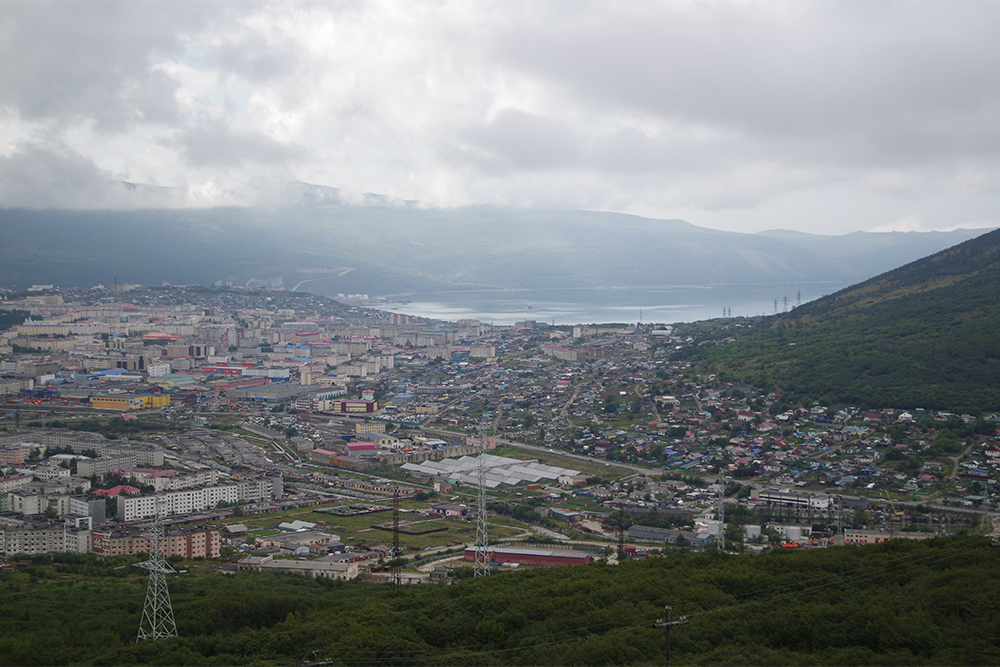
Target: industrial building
(500, 471)
(312, 568)
(532, 556)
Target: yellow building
(369, 427)
(157, 401)
(129, 402)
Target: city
(223, 407)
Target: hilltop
(923, 335)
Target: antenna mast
(158, 614)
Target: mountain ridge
(399, 247)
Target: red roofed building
(116, 490)
(361, 448)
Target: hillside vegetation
(924, 335)
(898, 603)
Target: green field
(359, 529)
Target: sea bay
(670, 304)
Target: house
(237, 531)
(450, 509)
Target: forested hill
(898, 603)
(924, 335)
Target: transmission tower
(721, 516)
(395, 567)
(482, 563)
(621, 531)
(157, 615)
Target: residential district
(276, 430)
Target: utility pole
(666, 624)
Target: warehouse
(499, 471)
(532, 556)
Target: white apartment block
(32, 539)
(482, 351)
(184, 501)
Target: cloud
(64, 62)
(55, 176)
(914, 82)
(215, 145)
(519, 140)
(715, 111)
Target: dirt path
(956, 460)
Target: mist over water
(601, 306)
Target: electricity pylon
(157, 615)
(395, 569)
(482, 563)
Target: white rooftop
(499, 470)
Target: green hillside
(898, 603)
(924, 335)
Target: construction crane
(894, 515)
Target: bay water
(682, 303)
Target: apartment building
(184, 501)
(194, 542)
(33, 537)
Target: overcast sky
(825, 117)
